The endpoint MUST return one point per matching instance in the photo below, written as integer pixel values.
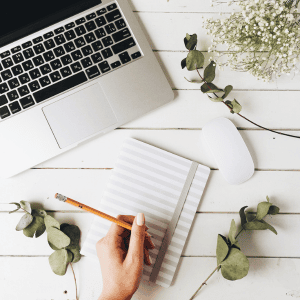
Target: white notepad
(167, 188)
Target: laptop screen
(22, 17)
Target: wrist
(113, 297)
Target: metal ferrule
(61, 197)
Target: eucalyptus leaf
(227, 90)
(58, 238)
(194, 60)
(210, 88)
(232, 232)
(73, 232)
(59, 261)
(210, 72)
(24, 222)
(262, 209)
(237, 245)
(51, 222)
(76, 256)
(222, 249)
(18, 207)
(234, 105)
(26, 206)
(52, 246)
(242, 215)
(218, 99)
(235, 266)
(273, 210)
(270, 227)
(193, 81)
(37, 227)
(13, 211)
(183, 63)
(39, 212)
(190, 41)
(255, 225)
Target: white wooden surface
(83, 173)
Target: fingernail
(140, 219)
(150, 259)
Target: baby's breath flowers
(262, 39)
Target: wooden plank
(87, 186)
(202, 239)
(268, 278)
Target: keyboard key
(5, 54)
(79, 42)
(69, 46)
(4, 112)
(48, 35)
(90, 37)
(110, 28)
(107, 53)
(100, 33)
(96, 58)
(7, 62)
(60, 39)
(56, 64)
(114, 15)
(92, 72)
(39, 48)
(37, 40)
(16, 49)
(26, 45)
(121, 35)
(59, 51)
(6, 75)
(38, 60)
(107, 41)
(76, 55)
(100, 21)
(23, 90)
(70, 25)
(34, 86)
(97, 46)
(27, 101)
(1, 68)
(28, 53)
(15, 107)
(80, 30)
(91, 16)
(115, 64)
(55, 76)
(13, 83)
(65, 72)
(48, 56)
(76, 67)
(3, 100)
(136, 55)
(70, 35)
(24, 78)
(101, 11)
(13, 95)
(35, 74)
(86, 62)
(120, 24)
(59, 30)
(111, 6)
(3, 88)
(18, 58)
(87, 50)
(45, 69)
(124, 45)
(27, 65)
(104, 67)
(49, 44)
(90, 26)
(44, 81)
(80, 21)
(60, 87)
(124, 57)
(66, 60)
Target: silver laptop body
(106, 76)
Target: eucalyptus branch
(74, 280)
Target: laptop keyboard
(64, 58)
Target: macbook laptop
(70, 70)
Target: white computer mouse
(229, 150)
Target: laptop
(70, 70)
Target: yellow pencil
(94, 211)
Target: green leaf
(232, 232)
(273, 210)
(193, 81)
(210, 88)
(237, 245)
(255, 225)
(227, 90)
(209, 72)
(235, 266)
(52, 246)
(194, 60)
(37, 227)
(58, 238)
(222, 249)
(234, 105)
(190, 41)
(183, 63)
(270, 227)
(39, 213)
(58, 261)
(26, 206)
(243, 216)
(218, 99)
(73, 232)
(76, 256)
(24, 222)
(18, 205)
(268, 199)
(262, 209)
(51, 222)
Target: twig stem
(74, 280)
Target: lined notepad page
(150, 180)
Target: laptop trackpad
(79, 115)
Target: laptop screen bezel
(48, 21)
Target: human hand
(121, 254)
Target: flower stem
(204, 282)
(74, 280)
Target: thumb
(136, 244)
